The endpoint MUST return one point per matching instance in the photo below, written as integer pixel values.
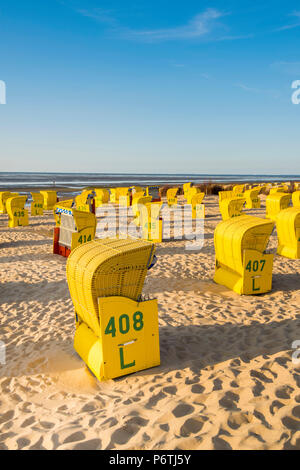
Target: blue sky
(139, 86)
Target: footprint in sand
(165, 427)
(182, 410)
(275, 406)
(220, 444)
(284, 392)
(237, 419)
(76, 436)
(291, 423)
(28, 422)
(172, 390)
(260, 376)
(155, 399)
(296, 412)
(197, 388)
(125, 433)
(229, 401)
(192, 426)
(258, 388)
(91, 444)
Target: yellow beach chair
(241, 262)
(125, 197)
(278, 189)
(151, 222)
(102, 197)
(116, 330)
(36, 205)
(252, 199)
(231, 207)
(238, 190)
(76, 228)
(186, 187)
(115, 193)
(50, 199)
(288, 231)
(296, 198)
(191, 193)
(140, 195)
(225, 195)
(275, 203)
(171, 196)
(198, 209)
(4, 195)
(86, 201)
(136, 203)
(17, 214)
(62, 207)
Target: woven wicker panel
(102, 268)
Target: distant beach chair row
(13, 204)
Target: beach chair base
(128, 341)
(256, 277)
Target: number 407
(255, 265)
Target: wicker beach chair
(171, 196)
(36, 205)
(50, 199)
(241, 261)
(252, 198)
(116, 330)
(288, 232)
(76, 228)
(17, 214)
(4, 195)
(275, 203)
(296, 198)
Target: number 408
(124, 324)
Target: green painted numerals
(124, 324)
(84, 239)
(255, 266)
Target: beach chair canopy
(231, 207)
(4, 195)
(252, 199)
(275, 203)
(296, 198)
(238, 189)
(109, 267)
(288, 231)
(50, 199)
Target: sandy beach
(226, 379)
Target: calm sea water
(76, 181)
(79, 180)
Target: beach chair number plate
(129, 335)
